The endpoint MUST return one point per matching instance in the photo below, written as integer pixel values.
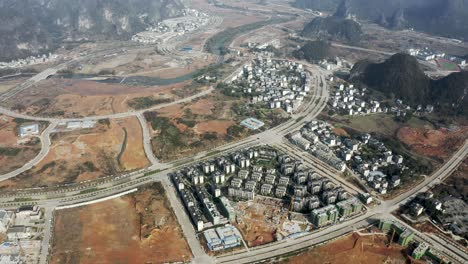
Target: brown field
(218, 126)
(86, 154)
(258, 221)
(354, 249)
(134, 155)
(78, 98)
(201, 125)
(6, 85)
(439, 143)
(136, 228)
(9, 140)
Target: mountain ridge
(401, 76)
(442, 17)
(30, 27)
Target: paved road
(381, 211)
(273, 136)
(8, 112)
(47, 234)
(147, 141)
(45, 146)
(199, 255)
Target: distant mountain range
(401, 76)
(33, 26)
(441, 17)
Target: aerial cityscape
(240, 131)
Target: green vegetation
(147, 102)
(219, 42)
(89, 166)
(124, 147)
(313, 51)
(10, 152)
(90, 190)
(270, 117)
(47, 166)
(401, 76)
(333, 27)
(170, 139)
(24, 199)
(104, 121)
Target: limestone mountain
(34, 26)
(401, 76)
(441, 17)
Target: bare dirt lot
(136, 228)
(109, 148)
(12, 154)
(78, 98)
(440, 143)
(259, 220)
(353, 249)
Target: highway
(381, 211)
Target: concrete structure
(349, 207)
(26, 130)
(227, 210)
(405, 236)
(18, 232)
(420, 250)
(5, 220)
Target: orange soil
(256, 224)
(137, 228)
(87, 98)
(435, 143)
(202, 107)
(340, 132)
(218, 126)
(8, 133)
(134, 155)
(173, 111)
(9, 139)
(353, 249)
(99, 146)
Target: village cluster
(349, 100)
(273, 83)
(190, 20)
(31, 60)
(426, 54)
(23, 230)
(210, 189)
(365, 155)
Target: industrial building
(222, 238)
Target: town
(376, 164)
(210, 190)
(23, 228)
(273, 83)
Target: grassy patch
(219, 42)
(10, 152)
(147, 102)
